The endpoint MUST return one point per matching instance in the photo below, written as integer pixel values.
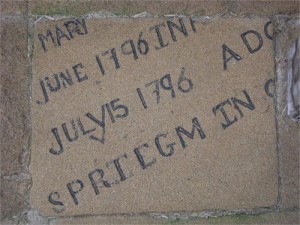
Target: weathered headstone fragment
(153, 114)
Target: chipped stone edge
(145, 14)
(180, 216)
(283, 39)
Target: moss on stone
(61, 10)
(79, 8)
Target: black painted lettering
(267, 87)
(196, 126)
(159, 36)
(142, 99)
(101, 123)
(82, 129)
(245, 40)
(248, 105)
(67, 133)
(132, 50)
(266, 30)
(140, 157)
(143, 50)
(115, 106)
(59, 35)
(100, 174)
(157, 89)
(53, 87)
(166, 84)
(180, 28)
(66, 78)
(221, 108)
(112, 118)
(117, 164)
(58, 140)
(83, 24)
(115, 58)
(75, 192)
(169, 146)
(99, 62)
(78, 73)
(53, 198)
(74, 27)
(184, 80)
(45, 94)
(192, 21)
(233, 54)
(43, 38)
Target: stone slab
(14, 101)
(152, 115)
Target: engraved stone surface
(152, 114)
